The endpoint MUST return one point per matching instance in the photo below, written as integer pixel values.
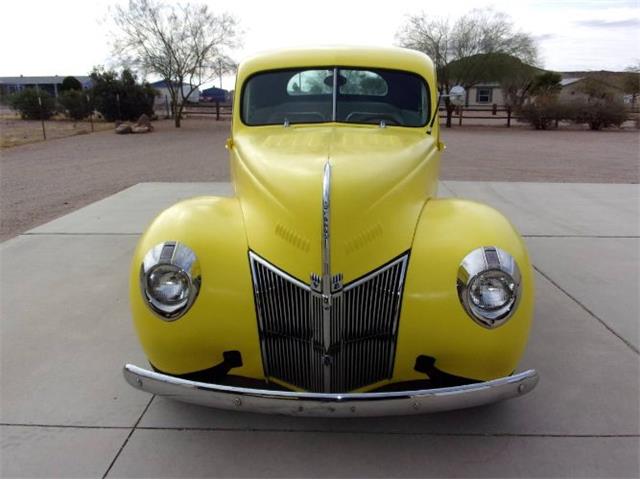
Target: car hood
(380, 180)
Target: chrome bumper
(376, 404)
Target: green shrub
(600, 114)
(545, 113)
(545, 84)
(26, 102)
(75, 104)
(4, 95)
(70, 83)
(119, 97)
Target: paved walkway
(65, 332)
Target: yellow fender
(433, 322)
(223, 316)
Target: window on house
(484, 95)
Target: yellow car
(334, 282)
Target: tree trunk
(178, 115)
(449, 107)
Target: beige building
(573, 89)
(484, 95)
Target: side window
(484, 95)
(311, 82)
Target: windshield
(362, 95)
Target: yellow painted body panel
(222, 318)
(433, 321)
(383, 186)
(376, 197)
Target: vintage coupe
(333, 282)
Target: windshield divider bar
(334, 111)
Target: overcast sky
(69, 37)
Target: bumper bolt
(139, 381)
(521, 388)
(237, 402)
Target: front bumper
(375, 404)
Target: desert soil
(44, 180)
(14, 131)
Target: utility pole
(118, 102)
(44, 133)
(90, 111)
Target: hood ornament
(326, 284)
(325, 288)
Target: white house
(165, 96)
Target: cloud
(596, 23)
(545, 36)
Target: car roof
(393, 58)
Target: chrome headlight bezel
(482, 263)
(180, 260)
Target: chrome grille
(356, 348)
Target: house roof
(45, 80)
(214, 91)
(164, 83)
(568, 81)
(486, 84)
(615, 80)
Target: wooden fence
(222, 111)
(494, 113)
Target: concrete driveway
(65, 332)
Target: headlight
(170, 279)
(489, 286)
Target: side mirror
(457, 95)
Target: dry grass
(15, 131)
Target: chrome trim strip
(325, 284)
(273, 268)
(375, 404)
(396, 315)
(404, 258)
(326, 218)
(254, 278)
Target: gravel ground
(520, 154)
(15, 131)
(45, 180)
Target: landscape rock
(123, 128)
(140, 128)
(144, 121)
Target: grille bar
(334, 344)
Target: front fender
(433, 322)
(223, 316)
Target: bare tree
(631, 83)
(461, 49)
(185, 44)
